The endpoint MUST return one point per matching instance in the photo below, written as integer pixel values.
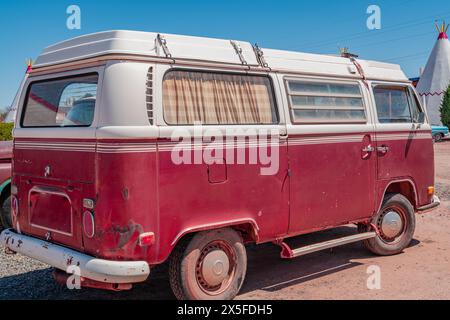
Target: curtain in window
(211, 98)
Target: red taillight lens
(88, 224)
(146, 239)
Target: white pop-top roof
(147, 44)
(436, 77)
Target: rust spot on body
(126, 194)
(126, 233)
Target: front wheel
(438, 137)
(211, 266)
(396, 224)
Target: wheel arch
(405, 187)
(248, 229)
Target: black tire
(438, 137)
(5, 211)
(186, 266)
(383, 245)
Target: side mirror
(420, 118)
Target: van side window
(393, 104)
(68, 102)
(217, 98)
(325, 102)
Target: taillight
(146, 239)
(88, 224)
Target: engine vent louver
(149, 95)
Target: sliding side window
(325, 102)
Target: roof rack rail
(260, 56)
(238, 50)
(163, 44)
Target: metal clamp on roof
(238, 50)
(163, 44)
(260, 56)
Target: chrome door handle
(369, 149)
(383, 149)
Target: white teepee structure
(435, 79)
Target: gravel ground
(422, 272)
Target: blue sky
(407, 35)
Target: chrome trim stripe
(194, 147)
(126, 147)
(130, 147)
(298, 141)
(55, 146)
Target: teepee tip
(442, 29)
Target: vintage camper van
(132, 149)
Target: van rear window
(67, 102)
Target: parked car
(163, 165)
(439, 133)
(5, 184)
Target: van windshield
(67, 102)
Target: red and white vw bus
(132, 149)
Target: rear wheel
(5, 211)
(211, 266)
(396, 223)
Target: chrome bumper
(119, 272)
(433, 205)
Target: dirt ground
(421, 272)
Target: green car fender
(4, 185)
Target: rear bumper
(119, 272)
(433, 205)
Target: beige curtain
(211, 98)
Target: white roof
(146, 44)
(435, 79)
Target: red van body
(107, 196)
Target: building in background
(435, 78)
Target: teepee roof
(436, 77)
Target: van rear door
(54, 155)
